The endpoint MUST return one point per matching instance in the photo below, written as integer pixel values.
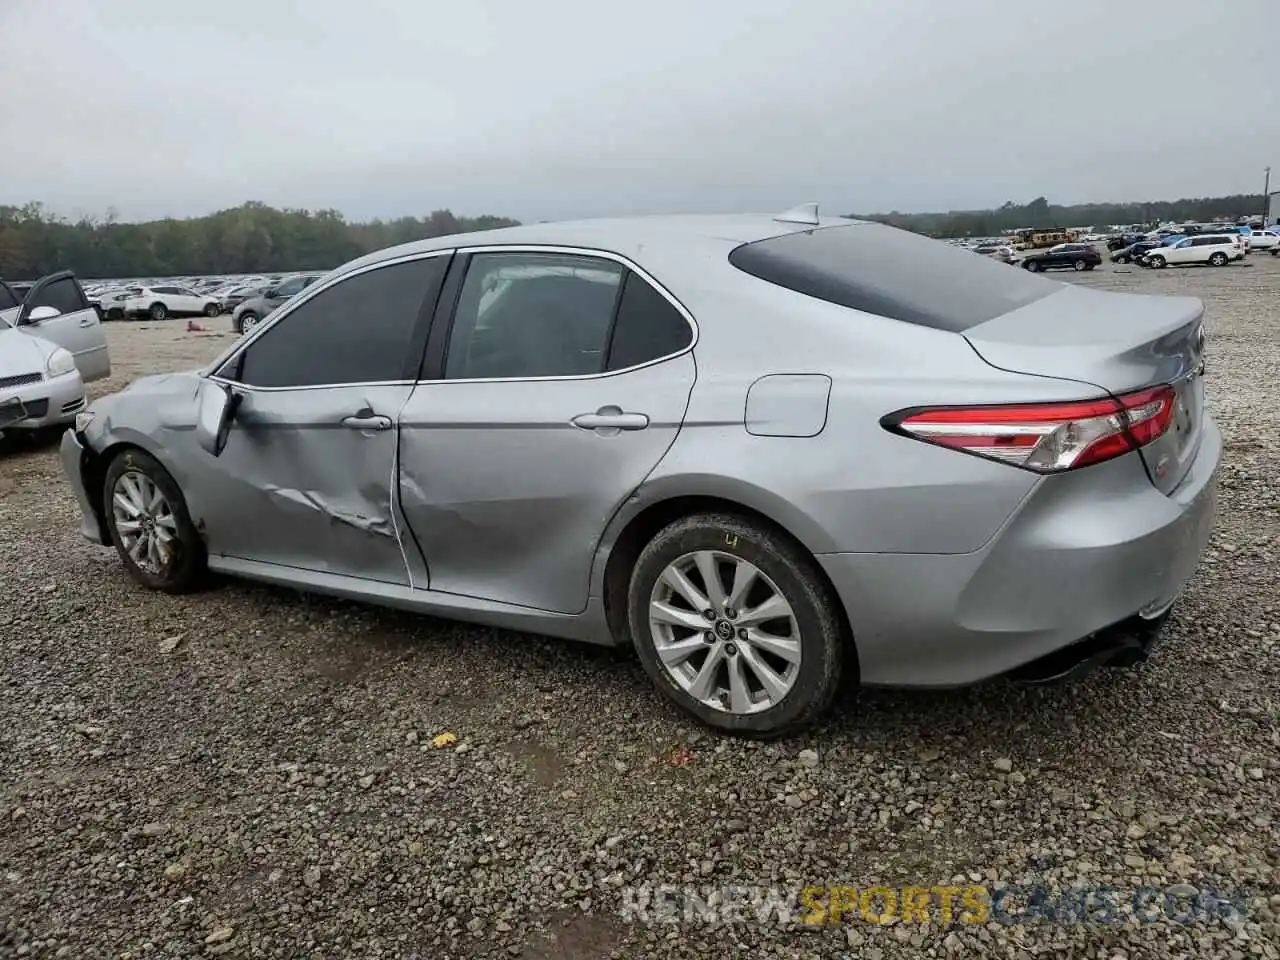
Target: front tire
(735, 625)
(246, 322)
(1034, 266)
(1157, 262)
(149, 524)
(158, 311)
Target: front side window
(63, 295)
(7, 300)
(359, 330)
(533, 315)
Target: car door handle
(611, 418)
(367, 421)
(88, 321)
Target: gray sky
(544, 109)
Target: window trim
(319, 286)
(625, 262)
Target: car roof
(627, 236)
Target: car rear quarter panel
(853, 486)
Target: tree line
(1040, 213)
(252, 238)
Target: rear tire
(1218, 260)
(141, 501)
(1079, 265)
(759, 682)
(158, 311)
(212, 310)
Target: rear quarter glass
(892, 273)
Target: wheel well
(644, 526)
(93, 474)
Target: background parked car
(1135, 251)
(51, 343)
(1124, 240)
(232, 297)
(1215, 249)
(252, 310)
(1065, 256)
(161, 302)
(996, 251)
(1263, 239)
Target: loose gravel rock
(248, 772)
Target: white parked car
(1215, 249)
(1263, 239)
(161, 302)
(51, 344)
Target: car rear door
(555, 381)
(76, 327)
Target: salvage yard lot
(250, 772)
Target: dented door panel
(305, 480)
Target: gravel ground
(248, 772)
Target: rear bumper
(73, 454)
(1084, 553)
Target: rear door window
(892, 273)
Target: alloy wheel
(724, 632)
(145, 521)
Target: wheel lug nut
(730, 649)
(742, 633)
(708, 615)
(730, 613)
(708, 637)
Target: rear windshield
(893, 273)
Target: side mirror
(271, 293)
(42, 313)
(216, 407)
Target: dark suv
(1065, 256)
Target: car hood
(21, 353)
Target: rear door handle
(88, 321)
(367, 421)
(610, 419)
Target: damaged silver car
(768, 452)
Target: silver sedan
(766, 452)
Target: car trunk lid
(1117, 343)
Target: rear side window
(63, 295)
(892, 273)
(647, 326)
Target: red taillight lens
(1045, 437)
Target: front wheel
(1156, 262)
(1122, 259)
(1218, 259)
(246, 322)
(1033, 266)
(734, 624)
(149, 524)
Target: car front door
(189, 301)
(306, 479)
(555, 386)
(75, 327)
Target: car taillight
(1044, 437)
